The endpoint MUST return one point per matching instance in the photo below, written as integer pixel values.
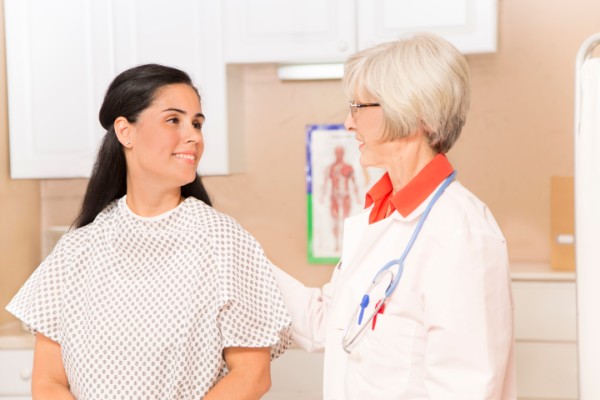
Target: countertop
(538, 271)
(13, 336)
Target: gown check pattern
(143, 307)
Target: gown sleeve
(38, 304)
(253, 313)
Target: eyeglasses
(355, 106)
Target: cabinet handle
(25, 374)
(342, 46)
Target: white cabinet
(58, 66)
(471, 25)
(15, 373)
(287, 30)
(296, 375)
(62, 54)
(546, 339)
(321, 31)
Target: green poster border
(312, 259)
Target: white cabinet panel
(288, 30)
(15, 372)
(471, 25)
(185, 36)
(545, 311)
(545, 331)
(296, 375)
(322, 31)
(547, 370)
(58, 68)
(62, 54)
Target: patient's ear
(123, 130)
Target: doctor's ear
(123, 131)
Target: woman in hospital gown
(155, 295)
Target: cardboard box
(562, 223)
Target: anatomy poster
(336, 187)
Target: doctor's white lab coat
(447, 330)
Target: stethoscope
(385, 273)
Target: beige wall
(19, 208)
(518, 134)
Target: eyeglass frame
(355, 106)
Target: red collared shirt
(410, 196)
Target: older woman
(419, 306)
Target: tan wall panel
(518, 134)
(19, 209)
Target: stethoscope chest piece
(366, 313)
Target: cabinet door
(15, 372)
(62, 54)
(183, 34)
(545, 311)
(546, 370)
(287, 384)
(288, 30)
(470, 25)
(58, 67)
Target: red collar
(411, 195)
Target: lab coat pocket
(382, 358)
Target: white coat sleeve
(469, 319)
(308, 308)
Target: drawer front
(297, 374)
(15, 372)
(547, 370)
(545, 311)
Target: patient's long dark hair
(130, 93)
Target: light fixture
(304, 72)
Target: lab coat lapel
(362, 237)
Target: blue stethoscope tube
(394, 280)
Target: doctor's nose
(349, 122)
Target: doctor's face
(367, 124)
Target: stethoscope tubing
(415, 234)
(386, 269)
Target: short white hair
(420, 81)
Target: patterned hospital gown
(143, 307)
